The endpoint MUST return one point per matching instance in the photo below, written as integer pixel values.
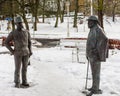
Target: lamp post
(67, 10)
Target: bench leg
(77, 54)
(72, 56)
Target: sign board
(8, 18)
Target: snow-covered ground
(52, 72)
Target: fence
(79, 47)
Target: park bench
(79, 47)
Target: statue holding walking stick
(96, 52)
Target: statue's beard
(20, 27)
(91, 24)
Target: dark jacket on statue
(97, 44)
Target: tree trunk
(22, 6)
(75, 16)
(43, 15)
(100, 12)
(113, 12)
(23, 15)
(36, 13)
(34, 10)
(62, 15)
(13, 24)
(57, 15)
(25, 21)
(12, 15)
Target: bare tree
(9, 9)
(34, 6)
(58, 12)
(100, 12)
(62, 12)
(115, 4)
(12, 14)
(99, 8)
(22, 11)
(75, 16)
(44, 1)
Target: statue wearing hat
(96, 52)
(21, 51)
(18, 19)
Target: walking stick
(29, 61)
(87, 75)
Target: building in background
(53, 5)
(81, 4)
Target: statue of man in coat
(21, 51)
(96, 52)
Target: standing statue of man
(96, 52)
(21, 51)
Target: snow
(52, 71)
